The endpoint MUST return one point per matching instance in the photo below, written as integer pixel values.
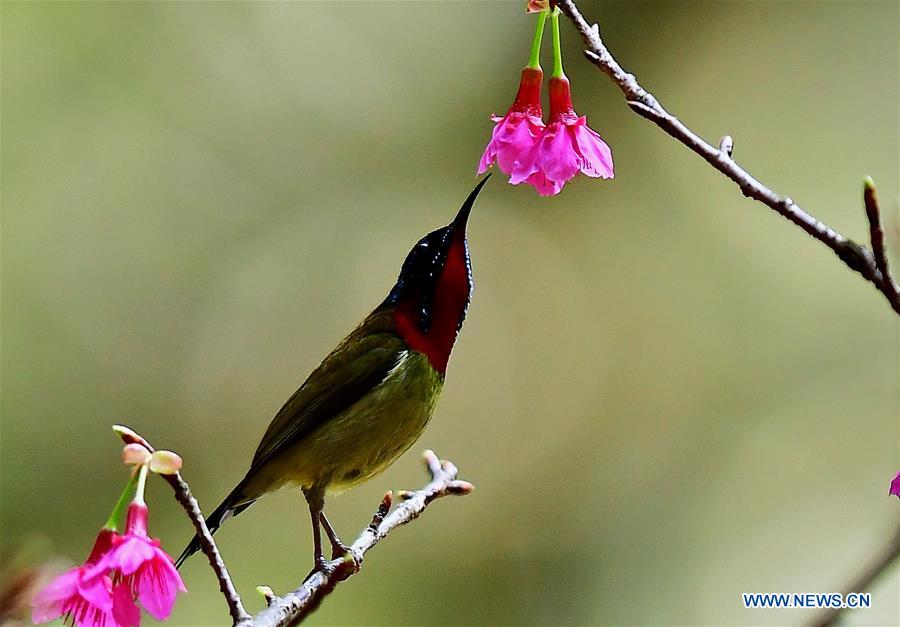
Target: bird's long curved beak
(459, 222)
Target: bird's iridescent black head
(437, 274)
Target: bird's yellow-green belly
(363, 440)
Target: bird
(373, 395)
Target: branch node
(645, 111)
(432, 462)
(855, 256)
(383, 508)
(459, 486)
(267, 593)
(876, 236)
(726, 145)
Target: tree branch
(876, 234)
(871, 265)
(183, 495)
(293, 607)
(863, 580)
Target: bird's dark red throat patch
(448, 308)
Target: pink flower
(520, 129)
(568, 146)
(145, 569)
(85, 595)
(895, 485)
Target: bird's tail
(223, 512)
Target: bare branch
(881, 562)
(183, 495)
(642, 102)
(295, 606)
(876, 234)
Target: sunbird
(372, 396)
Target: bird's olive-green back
(359, 363)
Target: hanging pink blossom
(516, 133)
(567, 146)
(143, 566)
(84, 595)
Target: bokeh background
(665, 394)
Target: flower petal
(559, 160)
(165, 462)
(895, 485)
(158, 583)
(490, 151)
(47, 604)
(516, 144)
(62, 587)
(528, 162)
(525, 166)
(124, 611)
(130, 554)
(596, 156)
(96, 592)
(543, 185)
(512, 139)
(134, 454)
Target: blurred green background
(665, 394)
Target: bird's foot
(350, 559)
(339, 549)
(344, 563)
(320, 565)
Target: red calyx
(528, 98)
(102, 544)
(136, 522)
(560, 97)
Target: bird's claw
(339, 550)
(320, 565)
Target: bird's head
(433, 290)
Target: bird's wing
(356, 366)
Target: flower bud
(135, 455)
(165, 462)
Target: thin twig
(876, 233)
(863, 580)
(293, 607)
(183, 495)
(642, 102)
